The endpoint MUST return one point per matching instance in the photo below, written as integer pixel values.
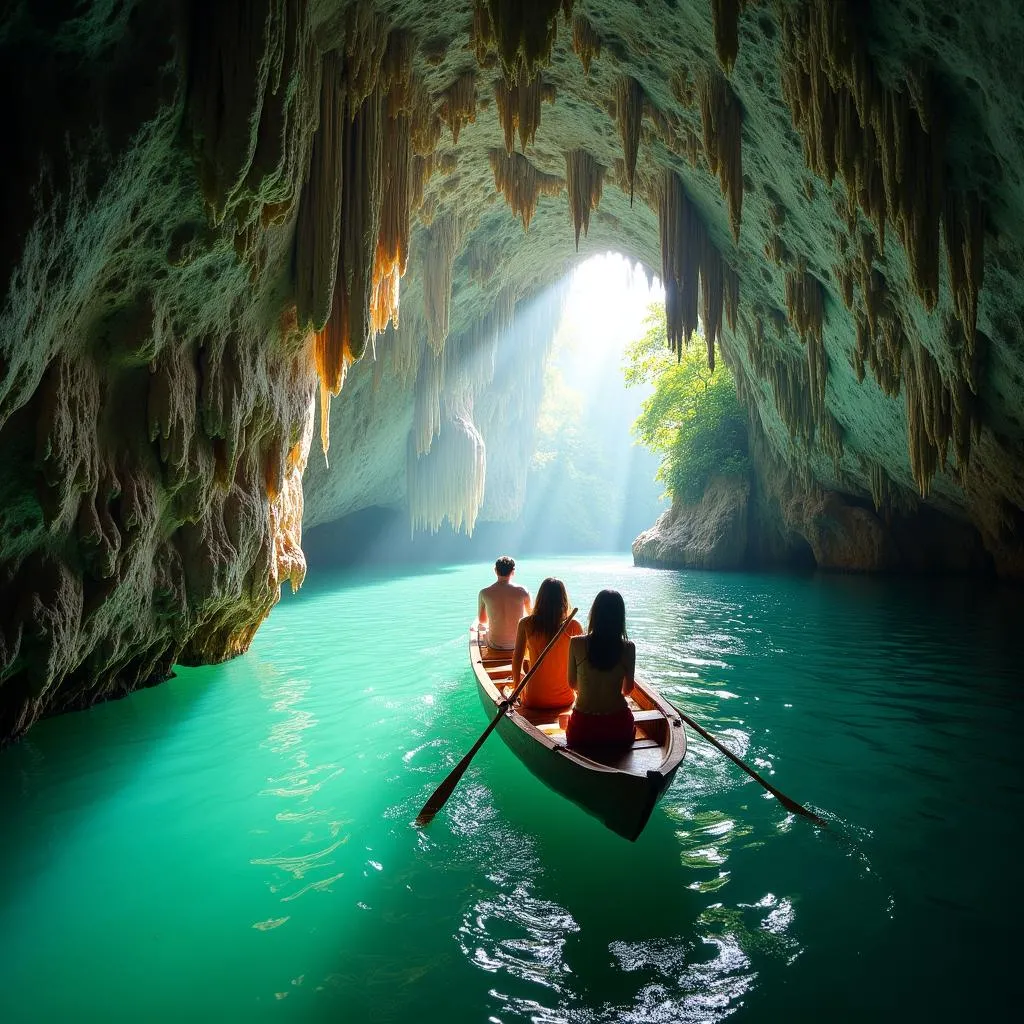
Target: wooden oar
(790, 805)
(440, 795)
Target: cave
(281, 282)
(258, 258)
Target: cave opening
(573, 476)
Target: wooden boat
(620, 786)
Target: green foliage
(694, 419)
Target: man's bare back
(502, 605)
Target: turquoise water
(236, 844)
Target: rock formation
(222, 221)
(712, 534)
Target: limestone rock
(710, 534)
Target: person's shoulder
(523, 591)
(574, 629)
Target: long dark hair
(551, 607)
(606, 629)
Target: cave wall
(229, 227)
(156, 395)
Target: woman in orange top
(548, 686)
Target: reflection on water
(264, 808)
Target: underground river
(236, 844)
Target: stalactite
(817, 369)
(584, 177)
(787, 375)
(964, 222)
(392, 254)
(878, 480)
(731, 296)
(521, 183)
(629, 109)
(939, 411)
(458, 103)
(681, 235)
(397, 77)
(397, 186)
(402, 345)
(927, 423)
(426, 420)
(887, 496)
(426, 124)
(829, 433)
(712, 296)
(348, 329)
(253, 93)
(518, 101)
(725, 18)
(888, 146)
(366, 41)
(789, 387)
(689, 258)
(521, 33)
(419, 174)
(318, 231)
(441, 244)
(805, 304)
(586, 43)
(844, 278)
(448, 482)
(722, 121)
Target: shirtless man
(502, 605)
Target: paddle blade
(440, 795)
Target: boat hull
(620, 790)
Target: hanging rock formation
(215, 214)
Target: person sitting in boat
(502, 605)
(547, 687)
(602, 663)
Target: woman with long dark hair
(547, 687)
(601, 668)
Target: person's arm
(481, 611)
(519, 653)
(628, 678)
(527, 603)
(573, 648)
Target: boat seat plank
(639, 758)
(647, 716)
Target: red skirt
(586, 730)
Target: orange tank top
(549, 685)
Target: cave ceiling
(214, 215)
